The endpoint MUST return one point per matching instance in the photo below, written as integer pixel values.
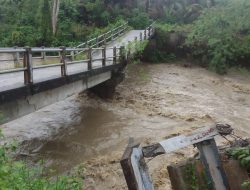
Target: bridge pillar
(106, 89)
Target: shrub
(222, 34)
(243, 155)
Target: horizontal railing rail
(104, 38)
(27, 61)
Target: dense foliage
(33, 23)
(219, 38)
(222, 35)
(29, 22)
(17, 175)
(243, 155)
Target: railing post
(149, 32)
(16, 57)
(105, 39)
(27, 63)
(145, 34)
(104, 57)
(122, 54)
(114, 55)
(90, 59)
(43, 54)
(120, 30)
(128, 56)
(97, 41)
(72, 53)
(112, 35)
(64, 62)
(141, 36)
(125, 27)
(210, 158)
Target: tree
(55, 12)
(45, 24)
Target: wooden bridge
(28, 71)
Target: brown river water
(153, 103)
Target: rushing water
(154, 102)
(92, 136)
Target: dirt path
(154, 102)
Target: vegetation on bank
(38, 23)
(214, 33)
(18, 175)
(243, 155)
(218, 39)
(68, 22)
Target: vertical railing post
(125, 27)
(141, 36)
(149, 32)
(210, 158)
(128, 56)
(114, 55)
(43, 54)
(16, 58)
(122, 55)
(145, 34)
(97, 41)
(90, 59)
(72, 54)
(112, 34)
(27, 64)
(105, 39)
(120, 30)
(64, 62)
(104, 57)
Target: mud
(153, 103)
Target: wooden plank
(64, 63)
(127, 167)
(179, 142)
(210, 158)
(135, 169)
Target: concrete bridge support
(107, 89)
(105, 83)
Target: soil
(155, 102)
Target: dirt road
(153, 103)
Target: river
(154, 102)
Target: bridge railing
(103, 39)
(14, 59)
(32, 61)
(86, 62)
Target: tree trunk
(55, 11)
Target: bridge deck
(15, 80)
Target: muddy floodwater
(155, 102)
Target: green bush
(243, 155)
(222, 34)
(139, 20)
(17, 175)
(135, 49)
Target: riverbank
(154, 102)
